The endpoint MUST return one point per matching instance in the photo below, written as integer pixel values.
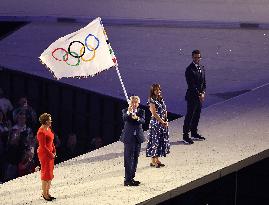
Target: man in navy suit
(132, 136)
(195, 96)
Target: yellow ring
(81, 51)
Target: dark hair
(18, 112)
(195, 52)
(4, 116)
(44, 118)
(152, 89)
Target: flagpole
(122, 84)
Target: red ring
(64, 55)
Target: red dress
(45, 153)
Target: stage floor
(237, 135)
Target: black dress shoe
(187, 140)
(130, 183)
(47, 199)
(53, 198)
(157, 166)
(197, 136)
(135, 182)
(161, 164)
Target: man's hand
(130, 108)
(202, 97)
(134, 116)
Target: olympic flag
(83, 53)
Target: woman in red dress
(46, 153)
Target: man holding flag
(132, 136)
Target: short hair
(18, 112)
(152, 89)
(195, 52)
(134, 97)
(44, 118)
(3, 114)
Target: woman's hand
(37, 168)
(165, 123)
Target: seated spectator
(57, 141)
(27, 164)
(5, 104)
(96, 143)
(25, 133)
(2, 159)
(31, 116)
(4, 131)
(4, 127)
(13, 156)
(20, 140)
(58, 147)
(70, 149)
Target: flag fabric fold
(83, 53)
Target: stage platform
(237, 135)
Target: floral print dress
(158, 138)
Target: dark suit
(196, 85)
(132, 136)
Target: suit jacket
(196, 82)
(131, 126)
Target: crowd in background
(18, 143)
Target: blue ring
(95, 39)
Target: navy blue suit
(132, 136)
(196, 85)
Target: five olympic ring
(75, 55)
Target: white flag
(83, 53)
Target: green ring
(74, 53)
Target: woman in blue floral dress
(158, 142)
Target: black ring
(71, 52)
